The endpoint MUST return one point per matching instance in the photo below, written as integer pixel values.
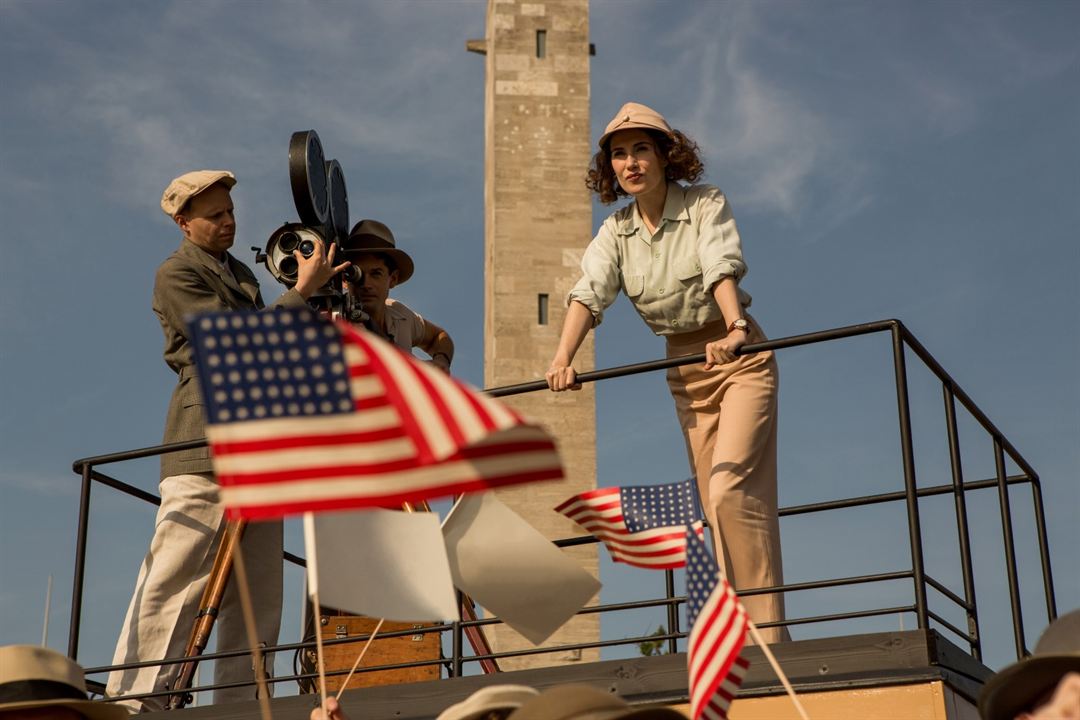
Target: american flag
(641, 525)
(718, 626)
(304, 414)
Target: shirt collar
(674, 209)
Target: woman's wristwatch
(739, 324)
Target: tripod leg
(208, 611)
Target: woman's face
(636, 162)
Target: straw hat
(584, 702)
(35, 677)
(489, 699)
(1016, 687)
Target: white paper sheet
(380, 563)
(511, 569)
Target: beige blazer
(189, 282)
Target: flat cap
(188, 185)
(635, 115)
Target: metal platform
(839, 664)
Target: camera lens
(288, 241)
(288, 267)
(307, 247)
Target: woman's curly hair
(681, 153)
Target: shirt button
(675, 323)
(661, 291)
(657, 256)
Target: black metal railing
(901, 340)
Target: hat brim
(402, 261)
(630, 126)
(94, 710)
(1016, 687)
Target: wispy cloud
(162, 106)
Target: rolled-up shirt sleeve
(719, 247)
(599, 284)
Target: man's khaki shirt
(405, 328)
(668, 275)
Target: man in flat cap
(371, 247)
(201, 276)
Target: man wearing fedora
(201, 276)
(36, 682)
(1044, 686)
(371, 247)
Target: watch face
(307, 175)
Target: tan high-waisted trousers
(174, 573)
(729, 418)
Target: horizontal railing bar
(843, 616)
(619, 371)
(77, 466)
(818, 584)
(960, 633)
(940, 587)
(289, 647)
(648, 366)
(896, 496)
(125, 488)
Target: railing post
(962, 531)
(456, 635)
(1044, 549)
(1010, 549)
(672, 611)
(80, 564)
(910, 487)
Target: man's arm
(437, 344)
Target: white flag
(380, 563)
(506, 565)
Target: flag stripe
(321, 415)
(717, 636)
(408, 402)
(651, 544)
(391, 488)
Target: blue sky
(912, 160)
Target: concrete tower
(538, 220)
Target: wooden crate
(383, 651)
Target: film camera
(318, 190)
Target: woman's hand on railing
(723, 351)
(562, 377)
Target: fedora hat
(635, 115)
(34, 677)
(372, 237)
(584, 702)
(489, 699)
(1016, 687)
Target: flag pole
(313, 590)
(776, 667)
(253, 639)
(359, 658)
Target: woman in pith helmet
(675, 252)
